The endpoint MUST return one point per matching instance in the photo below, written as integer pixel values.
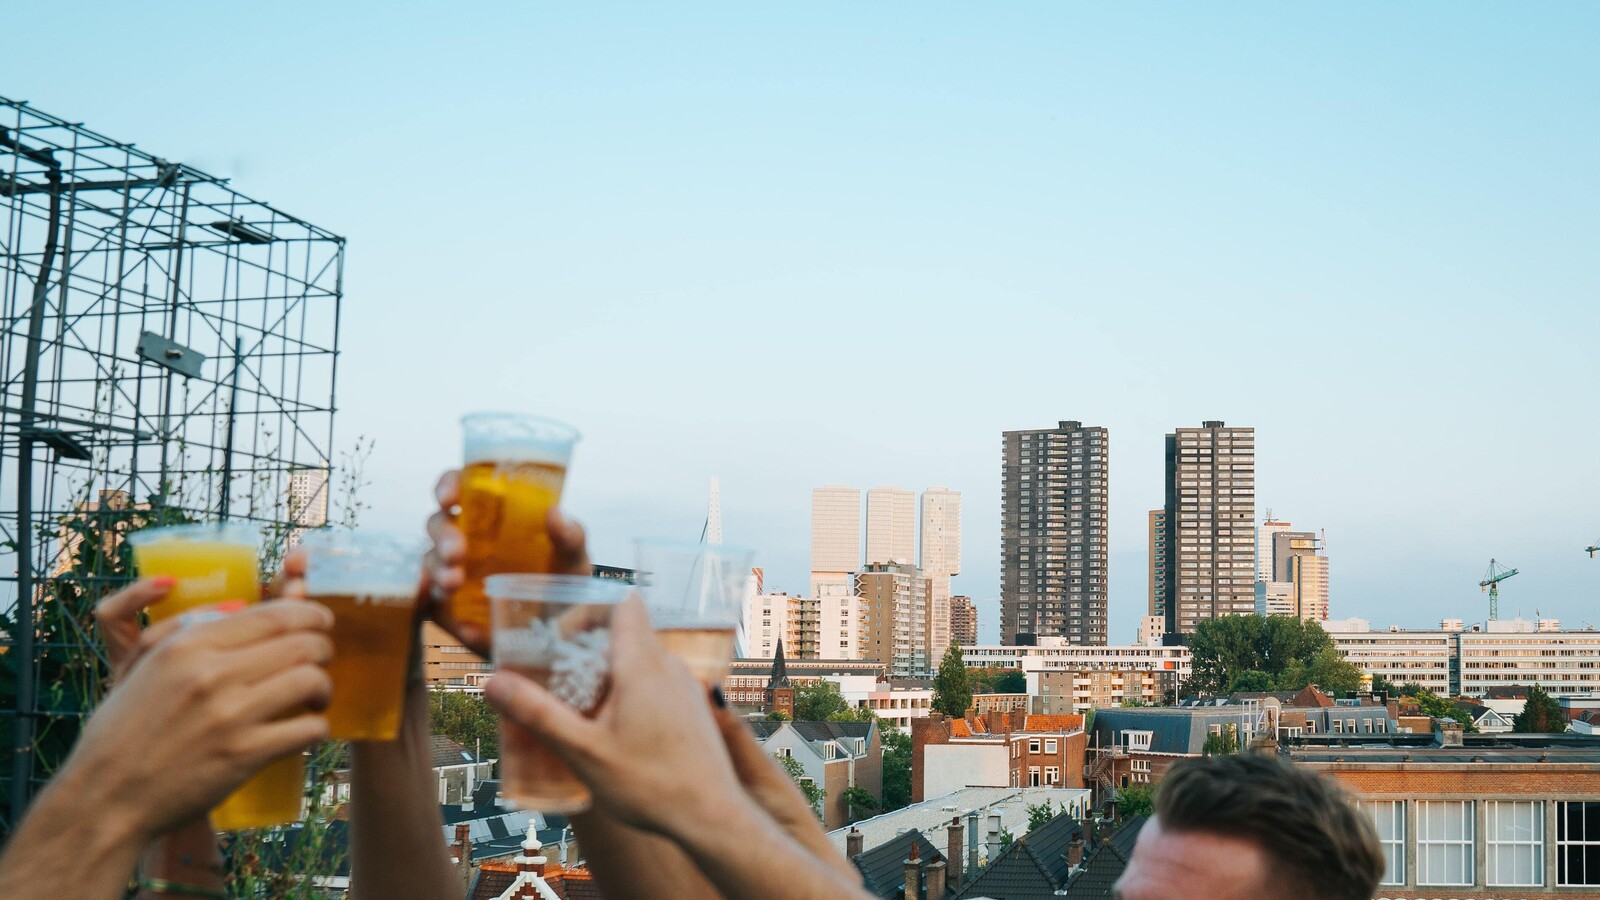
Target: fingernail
(717, 698)
(231, 606)
(163, 582)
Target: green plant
(815, 793)
(896, 769)
(818, 702)
(952, 693)
(1136, 800)
(1540, 715)
(1040, 814)
(467, 719)
(860, 802)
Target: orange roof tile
(1052, 723)
(958, 728)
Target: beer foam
(578, 665)
(329, 575)
(498, 448)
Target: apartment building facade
(963, 621)
(894, 622)
(1471, 661)
(1210, 515)
(1054, 529)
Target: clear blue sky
(791, 245)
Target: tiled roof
(1034, 866)
(958, 728)
(1105, 864)
(883, 868)
(491, 881)
(446, 752)
(932, 816)
(1052, 723)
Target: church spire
(780, 671)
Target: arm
(75, 842)
(747, 854)
(394, 814)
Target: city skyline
(1389, 219)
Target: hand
(652, 754)
(443, 571)
(118, 619)
(206, 707)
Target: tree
(1039, 814)
(467, 719)
(1384, 685)
(815, 793)
(860, 802)
(952, 693)
(896, 769)
(1540, 715)
(1011, 683)
(1438, 707)
(1136, 800)
(819, 701)
(777, 715)
(1257, 653)
(1222, 744)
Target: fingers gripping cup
(213, 564)
(369, 582)
(556, 631)
(696, 595)
(514, 470)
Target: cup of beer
(369, 582)
(514, 468)
(696, 596)
(556, 631)
(212, 564)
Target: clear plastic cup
(696, 596)
(369, 582)
(513, 469)
(212, 564)
(556, 631)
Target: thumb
(540, 713)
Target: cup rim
(219, 532)
(562, 429)
(524, 587)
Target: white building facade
(835, 539)
(940, 559)
(1470, 661)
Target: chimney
(972, 843)
(994, 836)
(463, 851)
(953, 849)
(1075, 850)
(935, 879)
(913, 875)
(853, 843)
(1449, 732)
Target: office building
(1472, 661)
(1056, 654)
(1309, 575)
(1053, 533)
(894, 622)
(1158, 563)
(835, 539)
(1275, 598)
(308, 501)
(891, 525)
(1264, 547)
(939, 559)
(1210, 524)
(963, 621)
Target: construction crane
(1491, 583)
(1593, 549)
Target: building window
(1577, 844)
(1513, 843)
(1052, 775)
(1033, 776)
(1444, 842)
(1050, 746)
(1389, 818)
(1033, 746)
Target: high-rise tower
(1054, 524)
(1210, 524)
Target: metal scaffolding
(170, 353)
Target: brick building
(836, 755)
(1080, 690)
(1474, 816)
(1013, 749)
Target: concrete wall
(951, 767)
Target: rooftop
(931, 816)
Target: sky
(789, 245)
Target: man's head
(1248, 826)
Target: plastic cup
(369, 582)
(212, 564)
(696, 596)
(556, 631)
(514, 467)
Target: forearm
(629, 863)
(70, 845)
(395, 815)
(188, 856)
(748, 856)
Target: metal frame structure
(170, 346)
